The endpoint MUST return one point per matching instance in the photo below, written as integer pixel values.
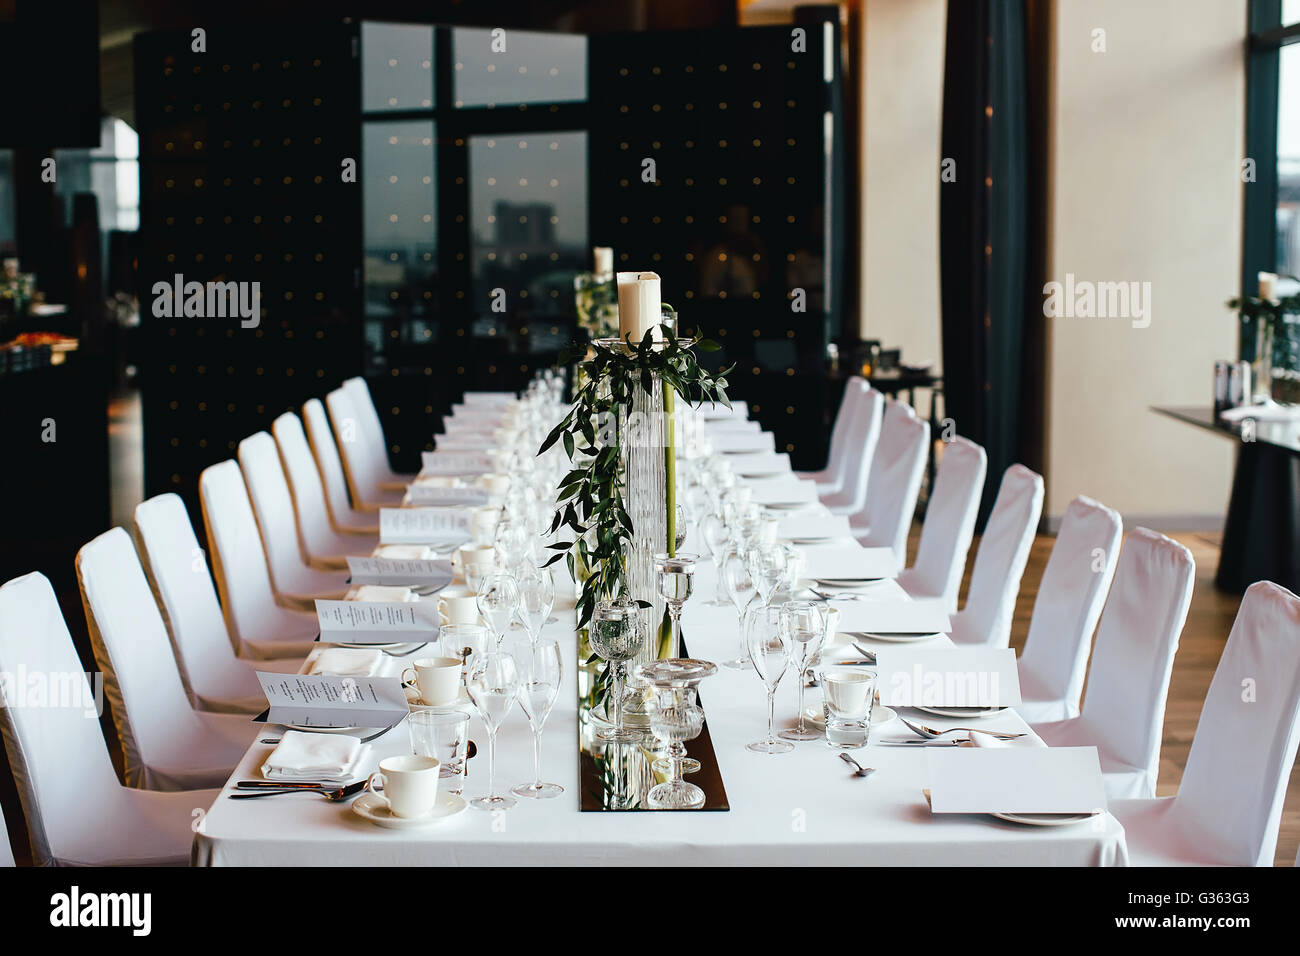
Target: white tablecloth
(801, 808)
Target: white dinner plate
(785, 505)
(371, 807)
(819, 540)
(1044, 819)
(364, 731)
(962, 713)
(892, 638)
(377, 647)
(847, 582)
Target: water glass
(848, 694)
(443, 734)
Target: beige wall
(901, 90)
(1145, 144)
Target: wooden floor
(1208, 622)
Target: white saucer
(896, 638)
(961, 713)
(460, 703)
(880, 715)
(848, 583)
(1044, 819)
(371, 807)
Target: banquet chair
(214, 678)
(6, 851)
(166, 743)
(949, 524)
(372, 432)
(343, 516)
(1229, 802)
(831, 478)
(363, 470)
(257, 622)
(1071, 593)
(294, 580)
(1000, 561)
(864, 438)
(1123, 711)
(77, 812)
(325, 548)
(896, 472)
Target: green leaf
(707, 345)
(568, 445)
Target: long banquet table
(800, 808)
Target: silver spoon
(931, 733)
(858, 769)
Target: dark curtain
(984, 227)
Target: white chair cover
(897, 468)
(326, 453)
(325, 547)
(1054, 660)
(293, 578)
(864, 436)
(214, 677)
(1124, 711)
(366, 473)
(6, 851)
(77, 813)
(261, 626)
(831, 478)
(1000, 561)
(166, 744)
(373, 431)
(949, 524)
(1229, 803)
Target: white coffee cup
(438, 679)
(409, 784)
(458, 605)
(476, 559)
(495, 485)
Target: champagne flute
(805, 626)
(536, 598)
(717, 538)
(767, 567)
(740, 587)
(538, 687)
(616, 634)
(498, 600)
(769, 651)
(493, 686)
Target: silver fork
(333, 796)
(931, 733)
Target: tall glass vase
(644, 497)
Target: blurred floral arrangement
(596, 301)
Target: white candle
(638, 305)
(1268, 286)
(604, 262)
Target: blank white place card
(422, 525)
(456, 463)
(732, 425)
(377, 622)
(784, 489)
(808, 528)
(841, 562)
(1015, 780)
(891, 615)
(947, 676)
(761, 463)
(712, 411)
(735, 443)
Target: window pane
(532, 67)
(1288, 161)
(396, 67)
(1290, 12)
(400, 228)
(528, 208)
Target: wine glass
(805, 626)
(767, 568)
(676, 716)
(616, 634)
(493, 685)
(717, 538)
(740, 587)
(536, 598)
(465, 641)
(794, 565)
(538, 687)
(674, 580)
(511, 542)
(770, 649)
(498, 600)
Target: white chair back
(1000, 561)
(842, 432)
(238, 560)
(371, 428)
(60, 764)
(949, 524)
(143, 683)
(360, 466)
(896, 469)
(326, 452)
(273, 508)
(1069, 602)
(318, 536)
(864, 431)
(1133, 654)
(1230, 798)
(178, 570)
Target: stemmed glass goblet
(717, 539)
(616, 634)
(675, 580)
(676, 716)
(538, 687)
(493, 685)
(769, 651)
(805, 625)
(767, 568)
(536, 598)
(498, 600)
(740, 587)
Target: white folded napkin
(345, 662)
(406, 552)
(385, 593)
(329, 758)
